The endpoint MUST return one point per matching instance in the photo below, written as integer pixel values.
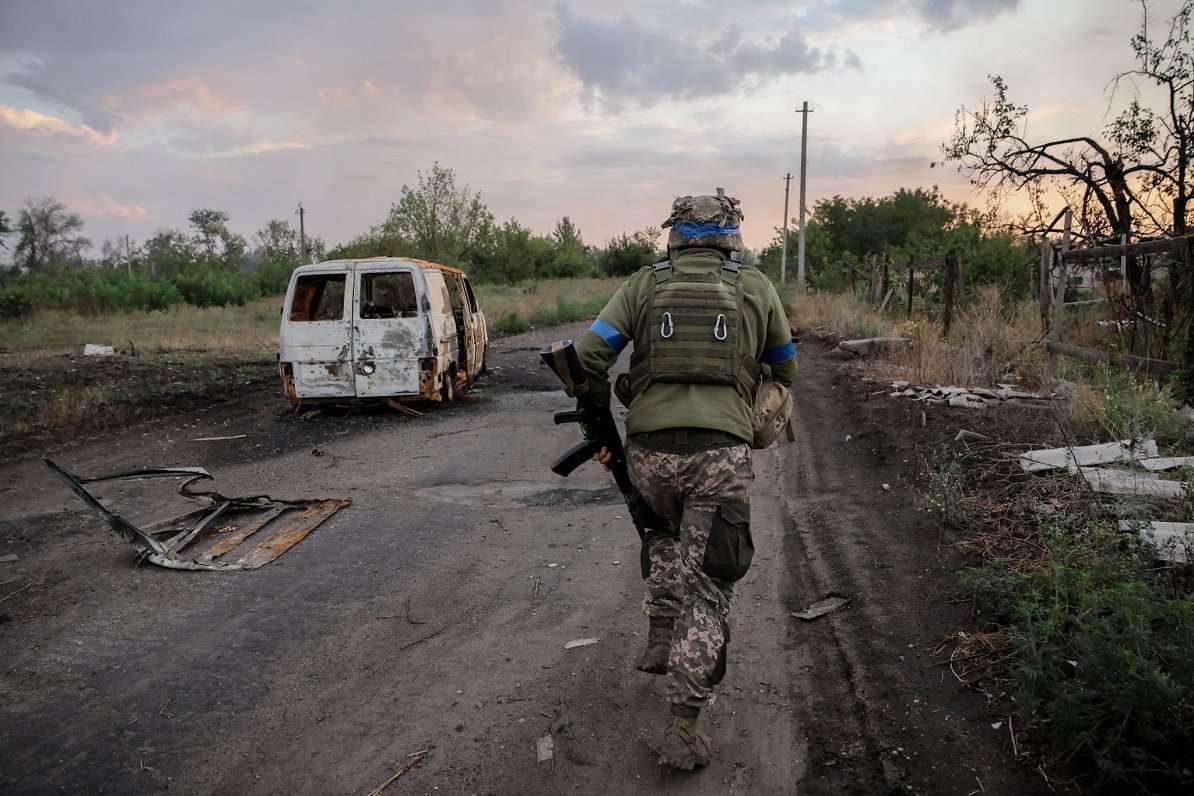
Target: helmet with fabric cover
(705, 221)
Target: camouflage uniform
(700, 487)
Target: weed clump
(1103, 644)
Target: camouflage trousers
(703, 497)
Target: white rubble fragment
(1166, 462)
(544, 749)
(580, 642)
(1130, 482)
(1174, 540)
(96, 350)
(1087, 455)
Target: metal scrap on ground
(192, 541)
(822, 607)
(580, 642)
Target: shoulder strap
(662, 269)
(730, 267)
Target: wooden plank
(1165, 246)
(1155, 367)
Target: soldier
(706, 331)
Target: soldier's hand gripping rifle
(597, 424)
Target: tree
(279, 241)
(443, 222)
(624, 254)
(214, 235)
(1117, 186)
(170, 252)
(48, 235)
(212, 226)
(5, 229)
(567, 234)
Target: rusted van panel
(383, 327)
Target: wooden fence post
(953, 267)
(911, 284)
(1063, 277)
(1046, 284)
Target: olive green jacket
(677, 405)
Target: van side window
(472, 298)
(318, 297)
(457, 294)
(389, 295)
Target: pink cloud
(32, 121)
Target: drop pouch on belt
(730, 548)
(771, 414)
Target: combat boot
(683, 746)
(659, 646)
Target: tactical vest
(694, 333)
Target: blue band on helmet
(781, 353)
(689, 230)
(610, 334)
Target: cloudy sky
(134, 112)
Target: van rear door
(316, 333)
(389, 329)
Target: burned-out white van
(385, 327)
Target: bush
(1104, 647)
(512, 323)
(216, 287)
(273, 277)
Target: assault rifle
(599, 430)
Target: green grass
(1097, 636)
(513, 309)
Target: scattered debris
(8, 558)
(544, 749)
(580, 642)
(289, 521)
(15, 593)
(887, 487)
(968, 397)
(96, 350)
(402, 408)
(1174, 540)
(416, 759)
(822, 607)
(1070, 458)
(219, 439)
(970, 436)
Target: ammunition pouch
(730, 548)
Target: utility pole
(783, 257)
(128, 254)
(804, 112)
(302, 235)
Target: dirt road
(433, 614)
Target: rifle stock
(600, 431)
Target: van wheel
(447, 390)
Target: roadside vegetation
(1082, 632)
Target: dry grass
(530, 298)
(225, 330)
(990, 343)
(251, 329)
(840, 315)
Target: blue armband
(781, 353)
(610, 334)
